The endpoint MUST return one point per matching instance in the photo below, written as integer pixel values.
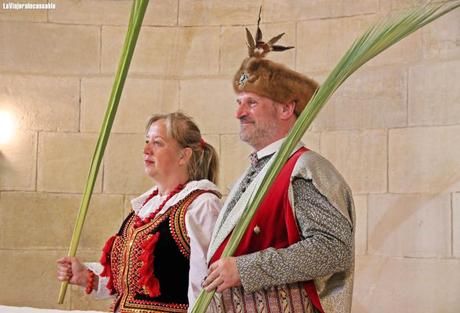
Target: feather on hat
(270, 79)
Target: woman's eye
(146, 141)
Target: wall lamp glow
(7, 126)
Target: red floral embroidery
(147, 277)
(105, 261)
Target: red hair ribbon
(202, 143)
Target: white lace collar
(152, 204)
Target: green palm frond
(375, 40)
(135, 22)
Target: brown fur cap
(275, 81)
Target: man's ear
(185, 155)
(286, 110)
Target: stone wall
(392, 130)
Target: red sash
(274, 224)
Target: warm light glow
(6, 127)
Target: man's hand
(222, 275)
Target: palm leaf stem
(134, 25)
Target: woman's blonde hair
(204, 162)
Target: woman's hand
(72, 270)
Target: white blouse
(200, 218)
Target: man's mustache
(245, 119)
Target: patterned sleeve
(326, 245)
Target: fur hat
(271, 79)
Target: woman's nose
(148, 148)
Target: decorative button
(256, 230)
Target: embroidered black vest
(162, 243)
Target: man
(298, 252)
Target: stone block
(410, 225)
(141, 98)
(18, 160)
(360, 156)
(311, 140)
(333, 37)
(321, 43)
(57, 214)
(233, 48)
(441, 39)
(456, 224)
(368, 99)
(424, 160)
(49, 48)
(41, 103)
(103, 12)
(8, 14)
(165, 50)
(211, 102)
(361, 224)
(220, 12)
(81, 301)
(434, 103)
(28, 279)
(398, 5)
(124, 165)
(69, 155)
(383, 284)
(276, 11)
(235, 160)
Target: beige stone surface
(233, 47)
(18, 160)
(311, 140)
(23, 15)
(81, 301)
(456, 224)
(399, 5)
(40, 102)
(333, 37)
(217, 12)
(360, 156)
(64, 160)
(410, 285)
(320, 43)
(234, 160)
(410, 225)
(273, 11)
(424, 159)
(103, 12)
(167, 51)
(441, 38)
(28, 278)
(124, 165)
(49, 220)
(141, 98)
(434, 104)
(212, 104)
(369, 99)
(49, 48)
(361, 224)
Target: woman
(157, 260)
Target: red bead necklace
(138, 222)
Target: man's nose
(240, 111)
